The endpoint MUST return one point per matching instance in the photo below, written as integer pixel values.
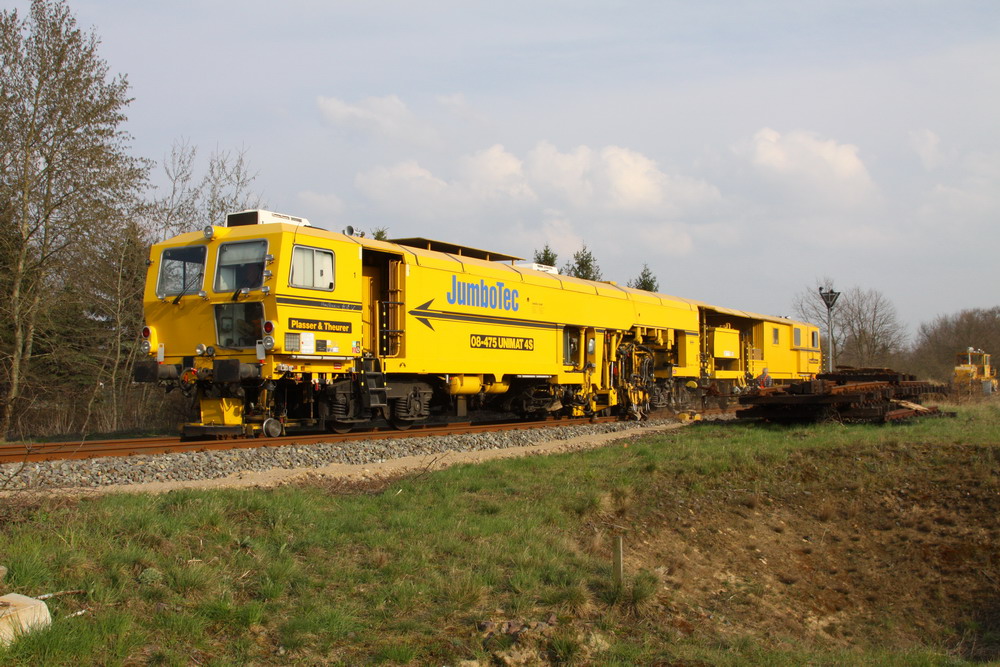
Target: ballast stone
(20, 614)
(218, 464)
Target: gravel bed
(188, 466)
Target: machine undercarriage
(367, 397)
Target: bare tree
(866, 329)
(938, 341)
(65, 170)
(809, 306)
(115, 308)
(227, 186)
(872, 333)
(177, 211)
(190, 202)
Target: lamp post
(829, 298)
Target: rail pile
(876, 395)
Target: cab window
(311, 268)
(815, 339)
(797, 335)
(775, 338)
(240, 265)
(181, 271)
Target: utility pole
(829, 298)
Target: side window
(571, 346)
(797, 335)
(815, 339)
(240, 265)
(311, 268)
(775, 338)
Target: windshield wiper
(187, 285)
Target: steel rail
(55, 451)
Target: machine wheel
(400, 424)
(339, 427)
(272, 428)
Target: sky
(743, 150)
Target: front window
(775, 338)
(240, 265)
(239, 324)
(312, 268)
(181, 271)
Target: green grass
(402, 576)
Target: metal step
(373, 392)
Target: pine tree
(583, 265)
(645, 280)
(546, 256)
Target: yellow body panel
(724, 343)
(222, 411)
(462, 323)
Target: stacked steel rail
(849, 395)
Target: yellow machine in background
(974, 373)
(269, 323)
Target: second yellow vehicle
(974, 373)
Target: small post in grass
(618, 565)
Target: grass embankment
(823, 544)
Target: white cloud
(969, 201)
(566, 176)
(558, 232)
(388, 117)
(667, 238)
(634, 182)
(927, 146)
(495, 174)
(811, 168)
(489, 178)
(454, 101)
(327, 205)
(584, 184)
(616, 179)
(405, 187)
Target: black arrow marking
(422, 310)
(424, 314)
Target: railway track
(54, 451)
